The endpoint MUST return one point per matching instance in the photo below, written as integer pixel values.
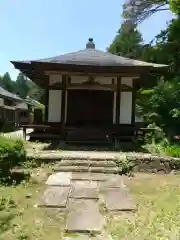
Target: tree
(168, 45)
(175, 6)
(35, 92)
(7, 83)
(22, 87)
(161, 104)
(139, 10)
(127, 43)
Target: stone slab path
(55, 196)
(84, 216)
(81, 194)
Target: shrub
(173, 150)
(164, 148)
(125, 166)
(7, 126)
(12, 153)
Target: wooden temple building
(90, 94)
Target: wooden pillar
(46, 93)
(24, 133)
(133, 102)
(46, 104)
(118, 97)
(63, 104)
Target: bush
(173, 150)
(164, 149)
(125, 166)
(12, 153)
(7, 126)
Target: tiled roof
(95, 57)
(6, 94)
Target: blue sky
(32, 29)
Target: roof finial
(90, 44)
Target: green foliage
(7, 83)
(175, 6)
(172, 150)
(35, 92)
(161, 103)
(12, 153)
(22, 87)
(125, 166)
(164, 148)
(6, 126)
(168, 46)
(127, 43)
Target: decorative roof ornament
(90, 44)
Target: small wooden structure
(90, 94)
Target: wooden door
(89, 107)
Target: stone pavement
(80, 195)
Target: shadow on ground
(17, 177)
(123, 147)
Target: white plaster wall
(125, 108)
(127, 80)
(54, 108)
(102, 80)
(54, 79)
(79, 79)
(105, 80)
(1, 102)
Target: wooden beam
(118, 96)
(104, 74)
(95, 86)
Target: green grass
(158, 213)
(21, 219)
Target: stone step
(49, 155)
(84, 216)
(92, 163)
(86, 169)
(89, 176)
(71, 169)
(104, 169)
(89, 157)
